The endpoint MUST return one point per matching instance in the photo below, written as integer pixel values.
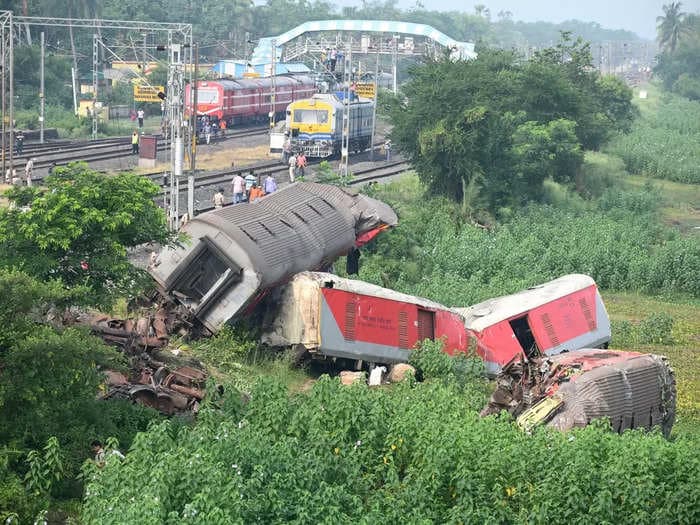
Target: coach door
(426, 324)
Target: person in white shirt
(28, 168)
(219, 199)
(10, 175)
(238, 184)
(292, 166)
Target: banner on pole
(147, 93)
(365, 90)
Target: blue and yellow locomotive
(315, 125)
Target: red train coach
(248, 99)
(562, 315)
(329, 316)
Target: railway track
(204, 184)
(107, 149)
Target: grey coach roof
(492, 311)
(303, 226)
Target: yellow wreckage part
(539, 413)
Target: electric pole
(95, 59)
(273, 85)
(395, 59)
(347, 79)
(193, 133)
(42, 97)
(145, 56)
(374, 108)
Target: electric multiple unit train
(315, 125)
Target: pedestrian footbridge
(360, 37)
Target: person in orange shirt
(255, 192)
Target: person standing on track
(292, 166)
(135, 142)
(238, 184)
(387, 149)
(10, 175)
(270, 184)
(250, 179)
(301, 164)
(286, 150)
(140, 114)
(207, 132)
(28, 168)
(19, 142)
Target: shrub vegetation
(413, 453)
(616, 239)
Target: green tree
(49, 380)
(680, 69)
(78, 230)
(493, 129)
(670, 26)
(542, 151)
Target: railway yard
(245, 147)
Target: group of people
(246, 189)
(330, 57)
(208, 127)
(12, 178)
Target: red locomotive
(558, 316)
(248, 99)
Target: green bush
(412, 453)
(656, 329)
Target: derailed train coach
(570, 390)
(561, 315)
(328, 316)
(234, 255)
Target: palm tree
(670, 26)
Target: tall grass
(617, 239)
(665, 141)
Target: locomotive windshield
(310, 116)
(207, 96)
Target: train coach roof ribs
(238, 252)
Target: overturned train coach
(558, 316)
(570, 390)
(332, 317)
(234, 255)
